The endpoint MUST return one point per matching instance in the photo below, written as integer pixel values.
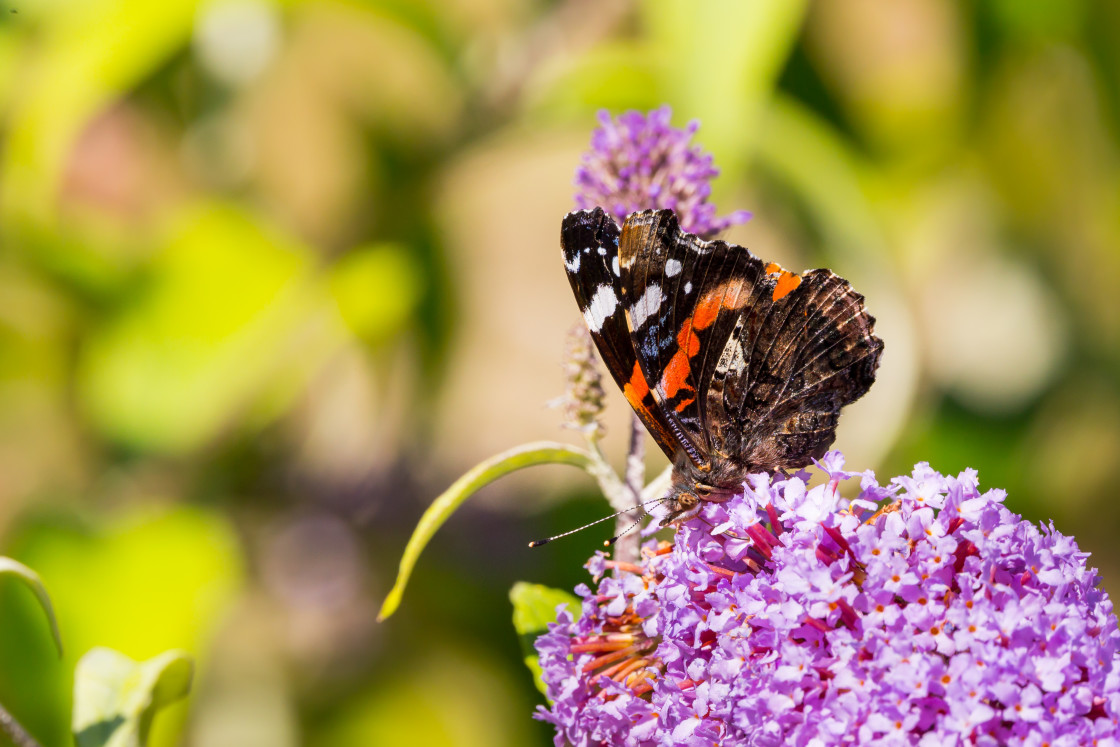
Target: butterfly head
(688, 494)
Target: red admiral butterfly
(733, 365)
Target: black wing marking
(589, 239)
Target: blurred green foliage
(273, 274)
(139, 581)
(204, 336)
(116, 699)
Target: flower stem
(628, 549)
(609, 482)
(15, 731)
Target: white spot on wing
(614, 266)
(602, 251)
(646, 306)
(603, 304)
(573, 265)
(672, 267)
(688, 287)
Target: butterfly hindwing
(589, 240)
(804, 356)
(821, 358)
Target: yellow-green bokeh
(274, 273)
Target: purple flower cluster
(792, 616)
(639, 162)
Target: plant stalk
(628, 547)
(14, 730)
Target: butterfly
(735, 366)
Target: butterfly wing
(684, 296)
(787, 369)
(589, 240)
(750, 362)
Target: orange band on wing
(637, 388)
(727, 295)
(688, 341)
(675, 377)
(787, 283)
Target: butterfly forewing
(688, 294)
(589, 240)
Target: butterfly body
(734, 365)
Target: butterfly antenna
(640, 506)
(620, 535)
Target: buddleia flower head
(639, 162)
(789, 615)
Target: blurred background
(273, 274)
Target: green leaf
(483, 474)
(31, 578)
(534, 607)
(116, 698)
(144, 579)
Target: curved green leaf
(116, 698)
(534, 607)
(485, 473)
(31, 578)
